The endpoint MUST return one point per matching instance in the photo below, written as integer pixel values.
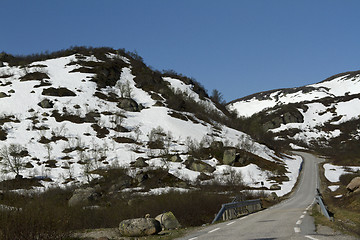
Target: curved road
(287, 220)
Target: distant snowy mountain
(318, 115)
(80, 111)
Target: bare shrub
(12, 158)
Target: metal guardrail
(323, 208)
(234, 209)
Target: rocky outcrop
(293, 116)
(229, 156)
(168, 221)
(354, 185)
(139, 227)
(128, 104)
(275, 187)
(175, 158)
(46, 103)
(139, 163)
(199, 166)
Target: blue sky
(238, 47)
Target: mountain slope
(81, 110)
(320, 115)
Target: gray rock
(354, 185)
(200, 166)
(46, 103)
(140, 162)
(216, 145)
(288, 117)
(128, 104)
(229, 156)
(168, 221)
(139, 227)
(83, 197)
(272, 197)
(275, 187)
(175, 158)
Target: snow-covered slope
(70, 123)
(316, 113)
(337, 86)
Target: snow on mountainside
(336, 86)
(323, 114)
(77, 113)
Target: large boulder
(200, 166)
(168, 221)
(128, 104)
(275, 187)
(175, 158)
(139, 163)
(83, 197)
(46, 103)
(139, 227)
(229, 156)
(354, 185)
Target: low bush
(47, 215)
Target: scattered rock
(229, 156)
(204, 177)
(46, 103)
(217, 145)
(139, 227)
(175, 158)
(139, 163)
(272, 197)
(83, 197)
(354, 185)
(58, 92)
(168, 221)
(141, 177)
(275, 187)
(128, 104)
(200, 166)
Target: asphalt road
(288, 220)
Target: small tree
(125, 89)
(217, 97)
(12, 158)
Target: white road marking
(213, 230)
(302, 216)
(304, 212)
(297, 229)
(192, 238)
(244, 217)
(298, 222)
(312, 238)
(230, 223)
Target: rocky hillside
(318, 116)
(68, 116)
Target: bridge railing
(235, 209)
